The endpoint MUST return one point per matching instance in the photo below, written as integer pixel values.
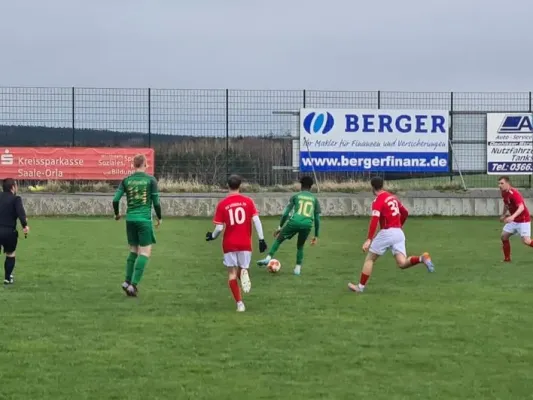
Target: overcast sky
(419, 45)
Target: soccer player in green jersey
(141, 193)
(306, 211)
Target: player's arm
(259, 229)
(404, 213)
(505, 212)
(373, 226)
(116, 199)
(318, 211)
(374, 221)
(219, 224)
(286, 212)
(517, 197)
(21, 213)
(156, 199)
(213, 235)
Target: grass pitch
(464, 332)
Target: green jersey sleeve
(154, 192)
(120, 191)
(318, 211)
(118, 195)
(288, 209)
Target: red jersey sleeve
(219, 217)
(374, 219)
(404, 213)
(377, 205)
(253, 208)
(517, 198)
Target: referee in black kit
(11, 209)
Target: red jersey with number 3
(389, 210)
(236, 212)
(512, 199)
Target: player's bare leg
(130, 263)
(144, 254)
(368, 266)
(404, 262)
(234, 287)
(506, 246)
(527, 241)
(246, 282)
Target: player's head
(234, 183)
(139, 162)
(9, 185)
(306, 182)
(504, 183)
(376, 183)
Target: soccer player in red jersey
(515, 215)
(237, 212)
(390, 214)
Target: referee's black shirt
(11, 209)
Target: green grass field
(464, 332)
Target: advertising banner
(374, 140)
(70, 163)
(509, 143)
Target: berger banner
(509, 143)
(374, 140)
(70, 163)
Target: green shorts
(140, 233)
(292, 229)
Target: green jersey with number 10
(305, 207)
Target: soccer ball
(273, 266)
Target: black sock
(9, 266)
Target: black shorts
(8, 240)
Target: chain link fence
(204, 135)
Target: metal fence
(204, 135)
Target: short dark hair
(306, 182)
(234, 182)
(8, 184)
(376, 183)
(504, 178)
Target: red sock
(363, 279)
(506, 249)
(413, 260)
(235, 290)
(531, 244)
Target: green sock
(140, 264)
(299, 255)
(274, 248)
(130, 262)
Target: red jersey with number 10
(512, 199)
(389, 210)
(236, 212)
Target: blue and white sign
(510, 144)
(374, 140)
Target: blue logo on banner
(517, 124)
(318, 123)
